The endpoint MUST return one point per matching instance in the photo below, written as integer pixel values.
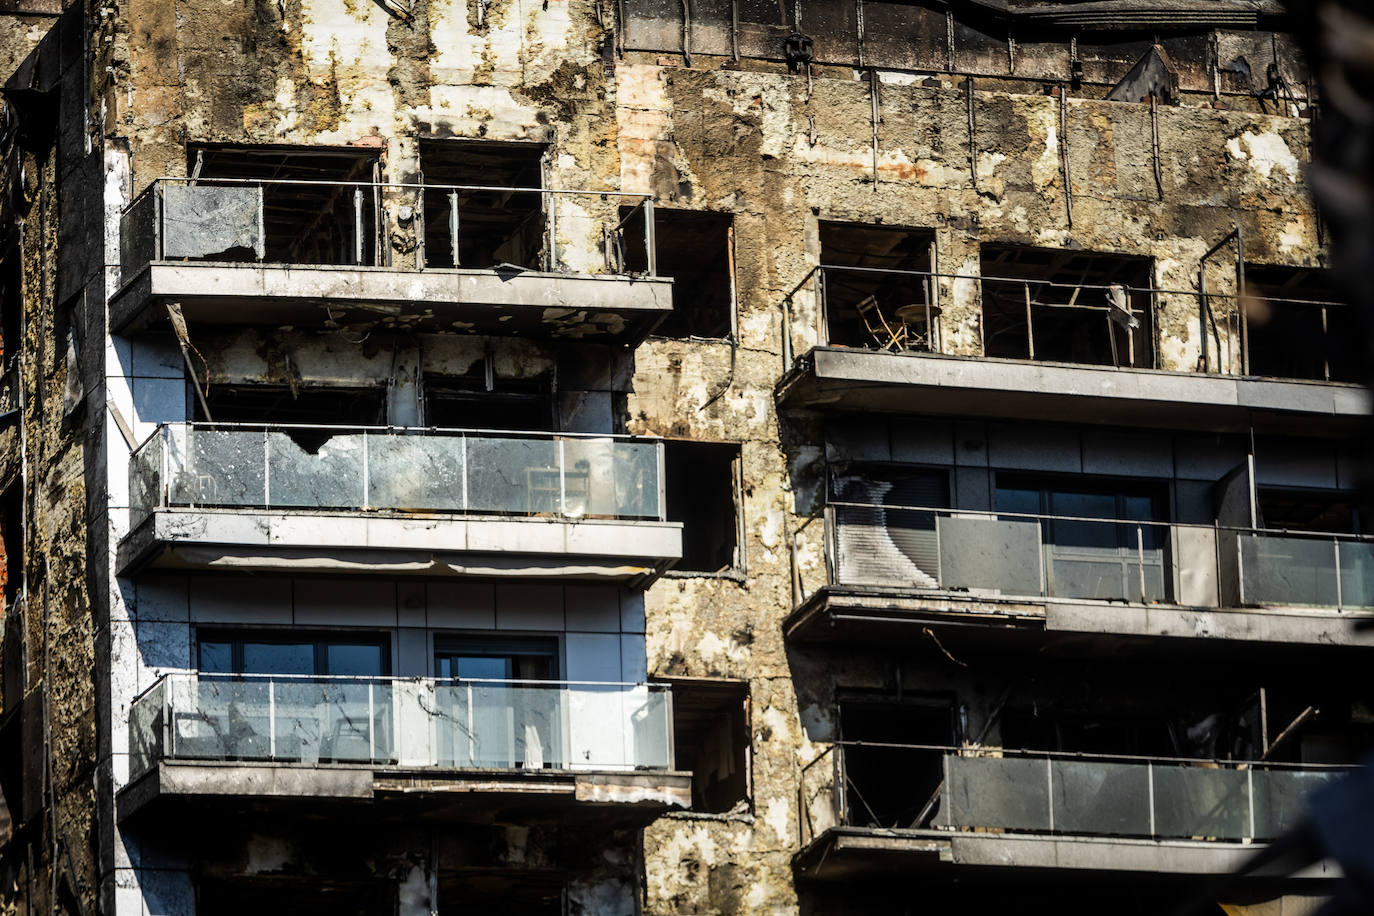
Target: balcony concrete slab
(620, 798)
(885, 616)
(633, 552)
(845, 380)
(858, 853)
(507, 302)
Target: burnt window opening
(313, 405)
(701, 480)
(1297, 326)
(711, 739)
(12, 540)
(1041, 726)
(693, 248)
(484, 400)
(1055, 305)
(872, 299)
(302, 222)
(1123, 557)
(878, 545)
(1327, 511)
(501, 892)
(894, 786)
(493, 227)
(11, 306)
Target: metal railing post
(464, 475)
(1340, 585)
(553, 231)
(371, 724)
(562, 479)
(453, 227)
(271, 719)
(1140, 560)
(1150, 777)
(1250, 793)
(1049, 789)
(266, 468)
(358, 226)
(650, 238)
(367, 481)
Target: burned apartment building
(712, 457)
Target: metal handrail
(426, 430)
(1152, 523)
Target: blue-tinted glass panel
(278, 658)
(354, 660)
(217, 657)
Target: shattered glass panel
(138, 234)
(1201, 802)
(513, 476)
(221, 719)
(423, 473)
(145, 478)
(344, 721)
(315, 469)
(146, 723)
(1288, 570)
(637, 480)
(216, 467)
(1095, 797)
(205, 222)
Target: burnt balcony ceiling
(313, 238)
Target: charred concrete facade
(592, 457)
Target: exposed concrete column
(956, 252)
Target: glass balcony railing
(406, 722)
(1023, 555)
(203, 465)
(1043, 793)
(358, 224)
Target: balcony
(894, 566)
(1028, 809)
(397, 501)
(314, 254)
(408, 746)
(890, 358)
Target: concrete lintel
(400, 544)
(492, 301)
(841, 379)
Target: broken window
(878, 545)
(876, 292)
(1057, 305)
(491, 227)
(483, 400)
(701, 479)
(1298, 327)
(314, 405)
(711, 740)
(12, 539)
(1296, 509)
(319, 205)
(11, 306)
(694, 249)
(1122, 557)
(895, 786)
